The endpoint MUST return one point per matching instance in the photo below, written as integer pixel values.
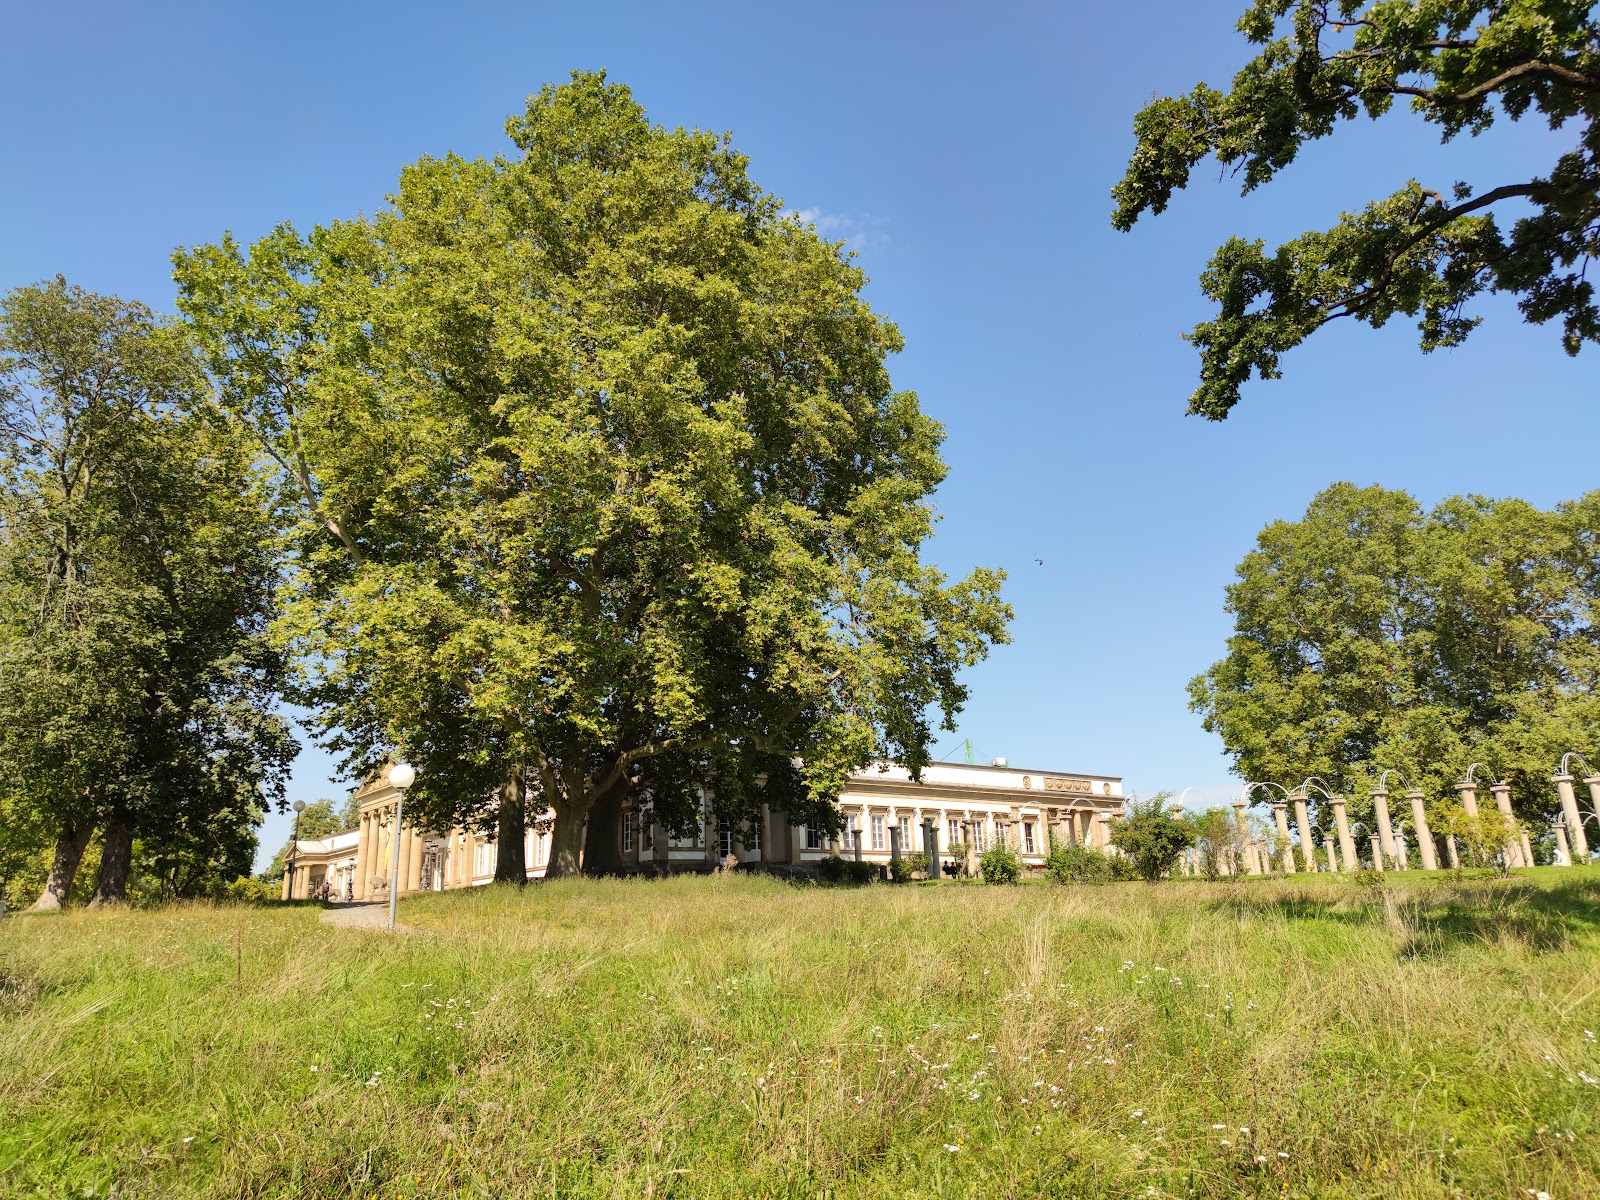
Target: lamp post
(401, 776)
(294, 848)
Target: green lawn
(744, 1037)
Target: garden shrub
(907, 867)
(843, 870)
(1000, 864)
(1078, 864)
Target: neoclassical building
(881, 806)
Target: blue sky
(967, 152)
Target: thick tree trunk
(511, 827)
(602, 849)
(116, 858)
(566, 841)
(70, 845)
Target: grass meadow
(695, 1037)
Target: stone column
(1241, 841)
(1347, 845)
(1332, 863)
(1594, 802)
(1569, 809)
(1377, 854)
(414, 863)
(855, 843)
(930, 846)
(1280, 818)
(406, 838)
(1563, 854)
(288, 884)
(363, 853)
(1469, 797)
(1502, 801)
(1380, 812)
(1419, 823)
(894, 842)
(1527, 848)
(1451, 852)
(1308, 848)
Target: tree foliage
(136, 565)
(1370, 635)
(602, 485)
(1152, 838)
(1428, 249)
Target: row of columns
(375, 850)
(1387, 843)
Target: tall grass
(744, 1037)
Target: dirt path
(362, 916)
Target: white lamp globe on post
(401, 776)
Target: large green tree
(136, 564)
(603, 486)
(1431, 247)
(1370, 635)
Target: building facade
(883, 810)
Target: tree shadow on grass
(1438, 916)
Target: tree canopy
(137, 688)
(1371, 635)
(602, 485)
(1431, 247)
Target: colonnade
(375, 854)
(1251, 855)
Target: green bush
(906, 868)
(1000, 865)
(1151, 840)
(251, 890)
(843, 870)
(1078, 864)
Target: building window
(877, 832)
(541, 851)
(1002, 833)
(852, 830)
(813, 838)
(980, 828)
(752, 836)
(1028, 844)
(905, 835)
(956, 835)
(627, 831)
(725, 837)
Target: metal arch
(1388, 771)
(1568, 757)
(1321, 787)
(1244, 794)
